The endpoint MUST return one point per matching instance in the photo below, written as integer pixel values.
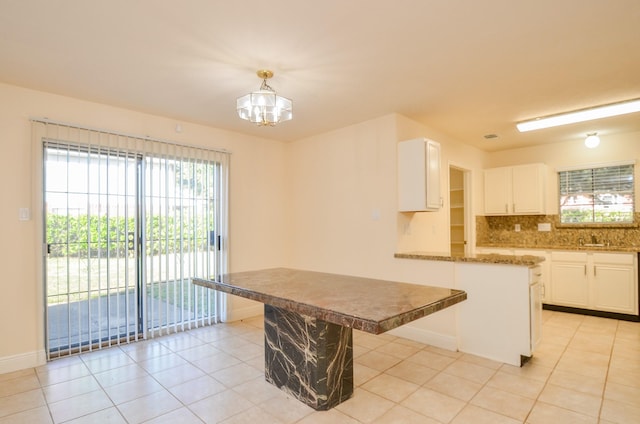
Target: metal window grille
(128, 222)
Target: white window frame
(598, 214)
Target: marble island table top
(370, 305)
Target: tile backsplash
(501, 230)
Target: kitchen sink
(593, 244)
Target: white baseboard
(421, 335)
(22, 361)
(238, 314)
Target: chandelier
(264, 107)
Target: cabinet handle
(585, 270)
(506, 207)
(594, 270)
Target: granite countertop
(370, 305)
(524, 260)
(562, 247)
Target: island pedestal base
(308, 358)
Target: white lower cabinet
(614, 283)
(569, 273)
(598, 281)
(544, 267)
(535, 306)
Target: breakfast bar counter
(309, 317)
(526, 260)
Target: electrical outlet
(517, 228)
(544, 226)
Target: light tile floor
(587, 370)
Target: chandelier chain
(266, 86)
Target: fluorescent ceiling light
(580, 115)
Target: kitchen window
(597, 195)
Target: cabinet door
(614, 288)
(528, 189)
(497, 187)
(434, 199)
(570, 285)
(418, 175)
(544, 269)
(535, 309)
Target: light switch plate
(24, 214)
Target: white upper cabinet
(419, 175)
(515, 190)
(497, 191)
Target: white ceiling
(465, 68)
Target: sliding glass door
(181, 239)
(92, 232)
(125, 231)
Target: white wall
(343, 196)
(342, 199)
(612, 148)
(257, 196)
(429, 231)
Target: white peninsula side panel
(501, 319)
(498, 321)
(439, 329)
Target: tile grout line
(467, 403)
(546, 381)
(606, 377)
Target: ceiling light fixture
(592, 141)
(605, 111)
(264, 107)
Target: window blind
(128, 221)
(598, 195)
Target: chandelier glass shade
(264, 107)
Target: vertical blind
(128, 221)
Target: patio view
(124, 234)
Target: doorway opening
(125, 230)
(458, 211)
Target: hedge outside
(100, 236)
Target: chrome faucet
(594, 240)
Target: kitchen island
(309, 317)
(501, 319)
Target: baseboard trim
(22, 361)
(427, 337)
(238, 314)
(591, 312)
